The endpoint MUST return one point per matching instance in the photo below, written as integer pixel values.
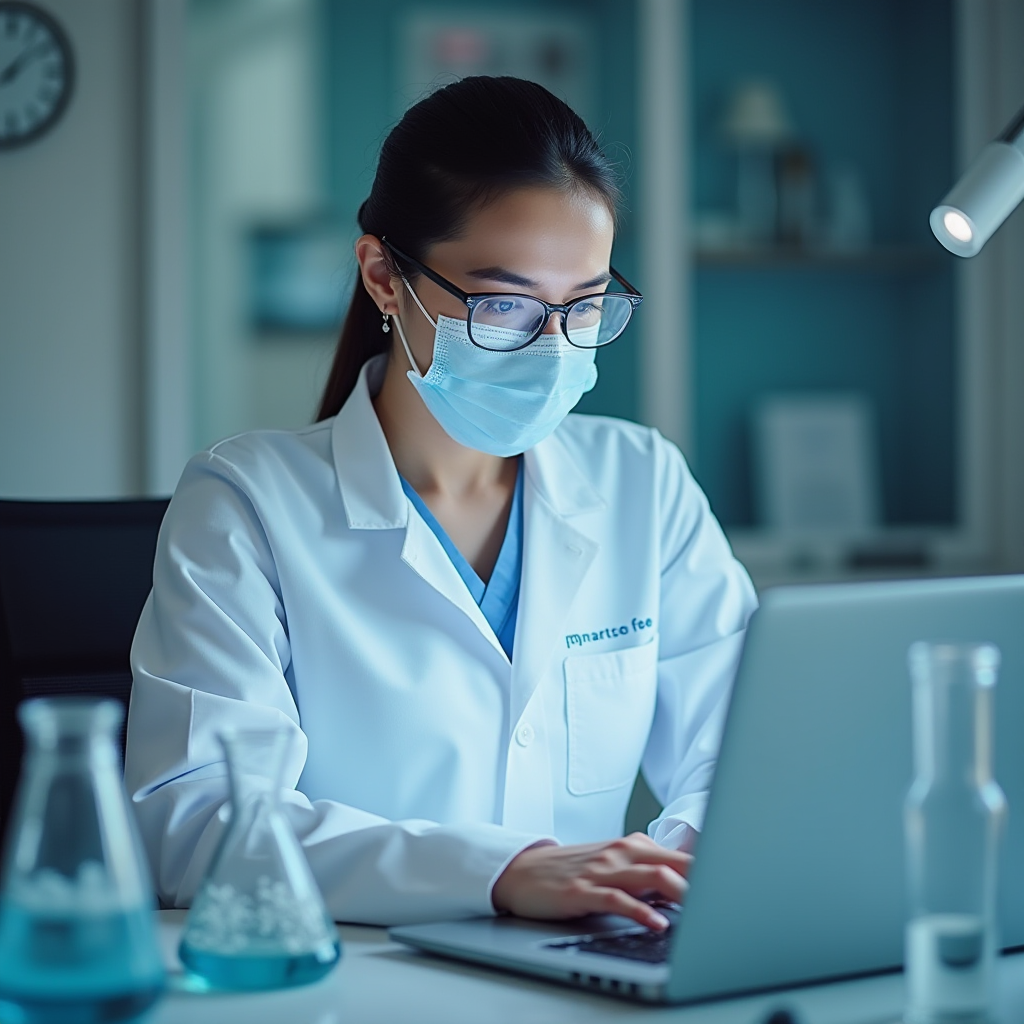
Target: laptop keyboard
(650, 947)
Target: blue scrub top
(499, 597)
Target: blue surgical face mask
(502, 403)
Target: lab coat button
(524, 735)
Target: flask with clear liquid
(78, 934)
(954, 814)
(258, 920)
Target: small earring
(385, 327)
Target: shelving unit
(876, 259)
(884, 321)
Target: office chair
(73, 579)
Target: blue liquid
(77, 969)
(275, 970)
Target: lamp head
(985, 196)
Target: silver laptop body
(799, 870)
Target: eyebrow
(508, 277)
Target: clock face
(36, 73)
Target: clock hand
(15, 67)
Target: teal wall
(869, 83)
(362, 50)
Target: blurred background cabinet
(822, 135)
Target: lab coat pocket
(609, 702)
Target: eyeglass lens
(590, 322)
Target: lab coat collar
(552, 470)
(371, 489)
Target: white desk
(379, 982)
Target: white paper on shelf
(816, 465)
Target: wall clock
(37, 73)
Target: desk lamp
(985, 196)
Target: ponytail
(361, 339)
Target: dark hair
(440, 163)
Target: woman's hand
(551, 882)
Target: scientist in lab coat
(476, 615)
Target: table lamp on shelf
(757, 125)
(987, 193)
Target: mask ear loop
(401, 332)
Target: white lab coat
(296, 586)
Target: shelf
(891, 553)
(885, 259)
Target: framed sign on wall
(552, 49)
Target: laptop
(799, 871)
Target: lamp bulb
(958, 226)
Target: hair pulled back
(453, 152)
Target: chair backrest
(73, 579)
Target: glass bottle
(953, 817)
(78, 936)
(258, 920)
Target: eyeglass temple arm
(453, 289)
(618, 277)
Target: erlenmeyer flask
(78, 941)
(258, 920)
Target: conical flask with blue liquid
(78, 933)
(258, 920)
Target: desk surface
(379, 982)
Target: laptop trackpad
(620, 937)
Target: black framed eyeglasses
(590, 321)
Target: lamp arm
(1013, 133)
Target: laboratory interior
(816, 201)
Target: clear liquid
(274, 969)
(949, 969)
(77, 969)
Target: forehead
(543, 234)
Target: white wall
(255, 132)
(70, 346)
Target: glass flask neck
(72, 729)
(256, 762)
(953, 692)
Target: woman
(476, 616)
